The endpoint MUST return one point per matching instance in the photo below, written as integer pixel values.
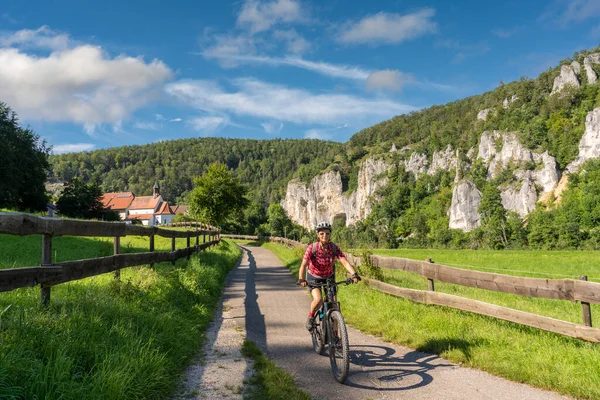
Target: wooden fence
(47, 274)
(572, 290)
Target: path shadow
(379, 368)
(256, 330)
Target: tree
(24, 165)
(217, 195)
(79, 200)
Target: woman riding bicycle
(320, 258)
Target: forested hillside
(265, 166)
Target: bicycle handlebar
(346, 281)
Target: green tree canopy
(24, 165)
(79, 200)
(217, 195)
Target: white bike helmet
(323, 225)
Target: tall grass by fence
(48, 274)
(572, 290)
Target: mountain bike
(330, 330)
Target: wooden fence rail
(560, 289)
(48, 274)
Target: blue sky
(87, 75)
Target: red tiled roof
(118, 200)
(139, 216)
(164, 209)
(142, 202)
(179, 209)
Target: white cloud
(263, 100)
(72, 148)
(175, 120)
(336, 71)
(315, 134)
(81, 85)
(159, 117)
(389, 28)
(148, 126)
(259, 16)
(227, 47)
(207, 124)
(388, 79)
(295, 43)
(272, 128)
(41, 38)
(580, 10)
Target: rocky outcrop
(588, 61)
(589, 145)
(322, 199)
(500, 149)
(483, 114)
(442, 160)
(417, 163)
(522, 197)
(360, 204)
(463, 212)
(567, 77)
(507, 102)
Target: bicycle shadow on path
(256, 330)
(381, 368)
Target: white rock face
(465, 203)
(522, 198)
(588, 61)
(417, 163)
(567, 77)
(589, 146)
(359, 204)
(507, 102)
(482, 115)
(511, 150)
(322, 200)
(576, 67)
(444, 160)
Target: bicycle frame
(330, 304)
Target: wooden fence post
(585, 307)
(173, 247)
(46, 262)
(188, 246)
(117, 250)
(151, 247)
(430, 283)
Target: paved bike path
(274, 314)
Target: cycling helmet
(323, 225)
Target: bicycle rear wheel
(317, 337)
(339, 354)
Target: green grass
(268, 381)
(101, 338)
(519, 353)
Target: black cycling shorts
(311, 280)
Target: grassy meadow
(101, 338)
(519, 353)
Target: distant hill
(264, 165)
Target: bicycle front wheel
(339, 353)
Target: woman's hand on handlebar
(301, 282)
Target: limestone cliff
(322, 199)
(465, 202)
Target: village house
(149, 210)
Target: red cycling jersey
(321, 263)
